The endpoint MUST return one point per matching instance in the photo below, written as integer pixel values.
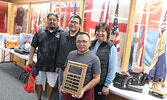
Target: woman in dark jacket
(107, 53)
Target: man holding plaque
(84, 56)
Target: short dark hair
(105, 26)
(76, 16)
(84, 33)
(51, 13)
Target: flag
(39, 19)
(102, 13)
(158, 65)
(75, 8)
(107, 14)
(140, 50)
(62, 17)
(34, 22)
(115, 30)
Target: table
(134, 95)
(25, 57)
(11, 51)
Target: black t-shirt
(47, 43)
(67, 44)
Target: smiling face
(101, 34)
(52, 22)
(74, 24)
(83, 43)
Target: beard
(73, 30)
(51, 28)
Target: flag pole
(82, 9)
(134, 62)
(129, 33)
(59, 15)
(28, 30)
(65, 17)
(145, 37)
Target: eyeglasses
(52, 20)
(83, 41)
(74, 22)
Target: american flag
(115, 30)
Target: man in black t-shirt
(47, 41)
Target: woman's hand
(105, 90)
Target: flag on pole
(107, 14)
(34, 24)
(102, 13)
(115, 30)
(75, 8)
(140, 50)
(158, 65)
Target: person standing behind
(107, 54)
(83, 55)
(67, 44)
(47, 40)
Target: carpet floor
(12, 88)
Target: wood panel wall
(37, 1)
(112, 96)
(11, 21)
(6, 0)
(27, 1)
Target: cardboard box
(11, 44)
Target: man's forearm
(32, 51)
(92, 83)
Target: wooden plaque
(74, 77)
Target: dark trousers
(88, 95)
(98, 93)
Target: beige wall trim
(5, 0)
(28, 1)
(11, 16)
(36, 1)
(82, 9)
(28, 18)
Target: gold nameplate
(112, 37)
(137, 40)
(74, 77)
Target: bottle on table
(159, 84)
(151, 82)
